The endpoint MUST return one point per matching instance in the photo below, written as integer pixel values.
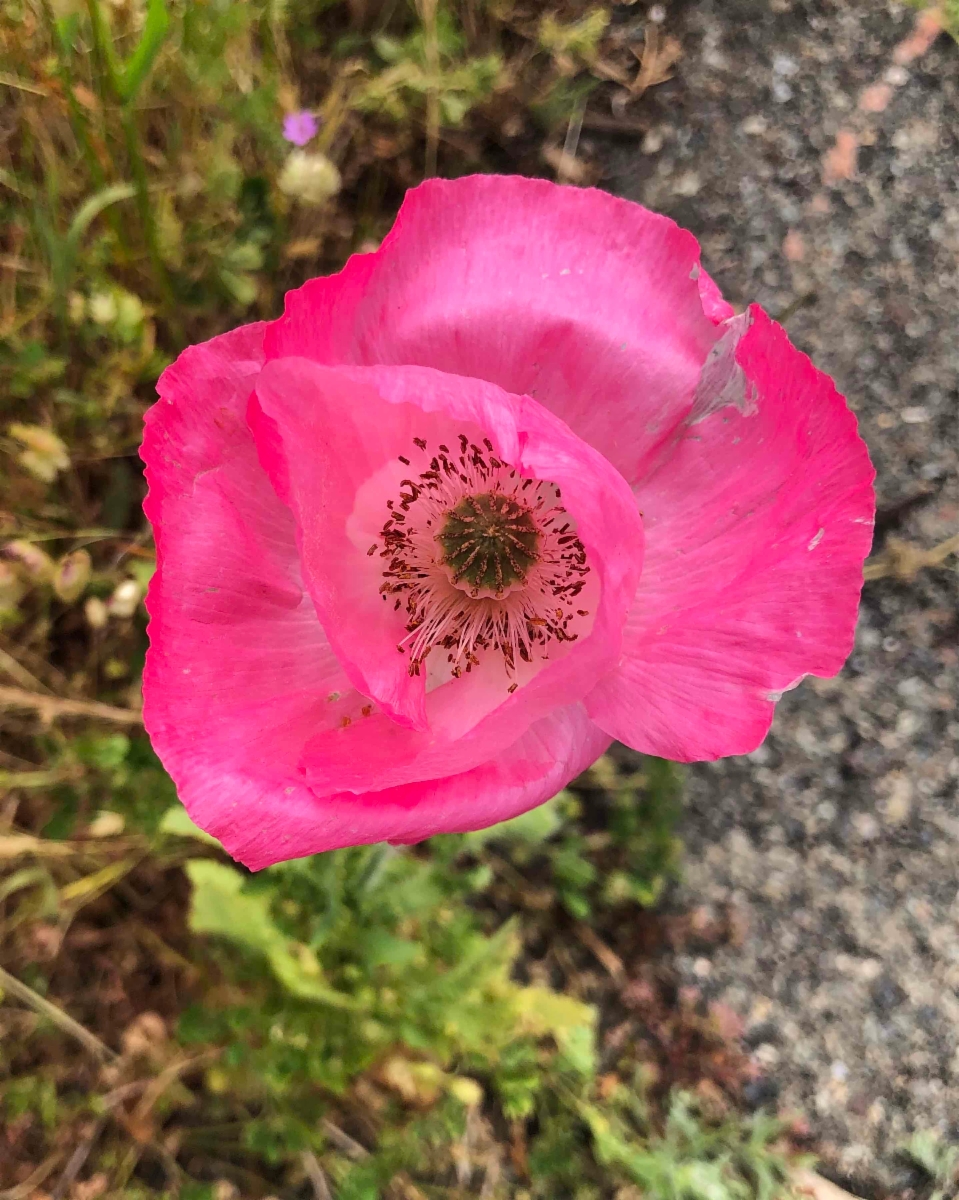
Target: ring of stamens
(481, 559)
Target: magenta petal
(243, 810)
(320, 436)
(714, 306)
(325, 436)
(757, 525)
(300, 127)
(588, 303)
(239, 672)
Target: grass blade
(90, 209)
(131, 76)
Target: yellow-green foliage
(372, 981)
(949, 11)
(576, 38)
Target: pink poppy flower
(515, 485)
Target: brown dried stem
(49, 708)
(904, 560)
(14, 987)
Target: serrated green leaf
(221, 907)
(546, 1011)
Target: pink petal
(260, 824)
(324, 437)
(714, 306)
(757, 525)
(300, 127)
(588, 303)
(320, 437)
(239, 671)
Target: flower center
(483, 560)
(489, 542)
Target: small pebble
(897, 805)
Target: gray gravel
(838, 841)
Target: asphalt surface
(813, 146)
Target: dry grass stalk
(49, 708)
(904, 560)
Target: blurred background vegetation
(483, 1015)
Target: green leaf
(530, 828)
(580, 37)
(103, 43)
(381, 949)
(242, 287)
(948, 13)
(390, 49)
(571, 1022)
(221, 907)
(142, 571)
(28, 877)
(131, 76)
(91, 209)
(937, 1158)
(66, 30)
(176, 821)
(107, 752)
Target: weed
(937, 1159)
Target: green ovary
(489, 542)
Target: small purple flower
(300, 127)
